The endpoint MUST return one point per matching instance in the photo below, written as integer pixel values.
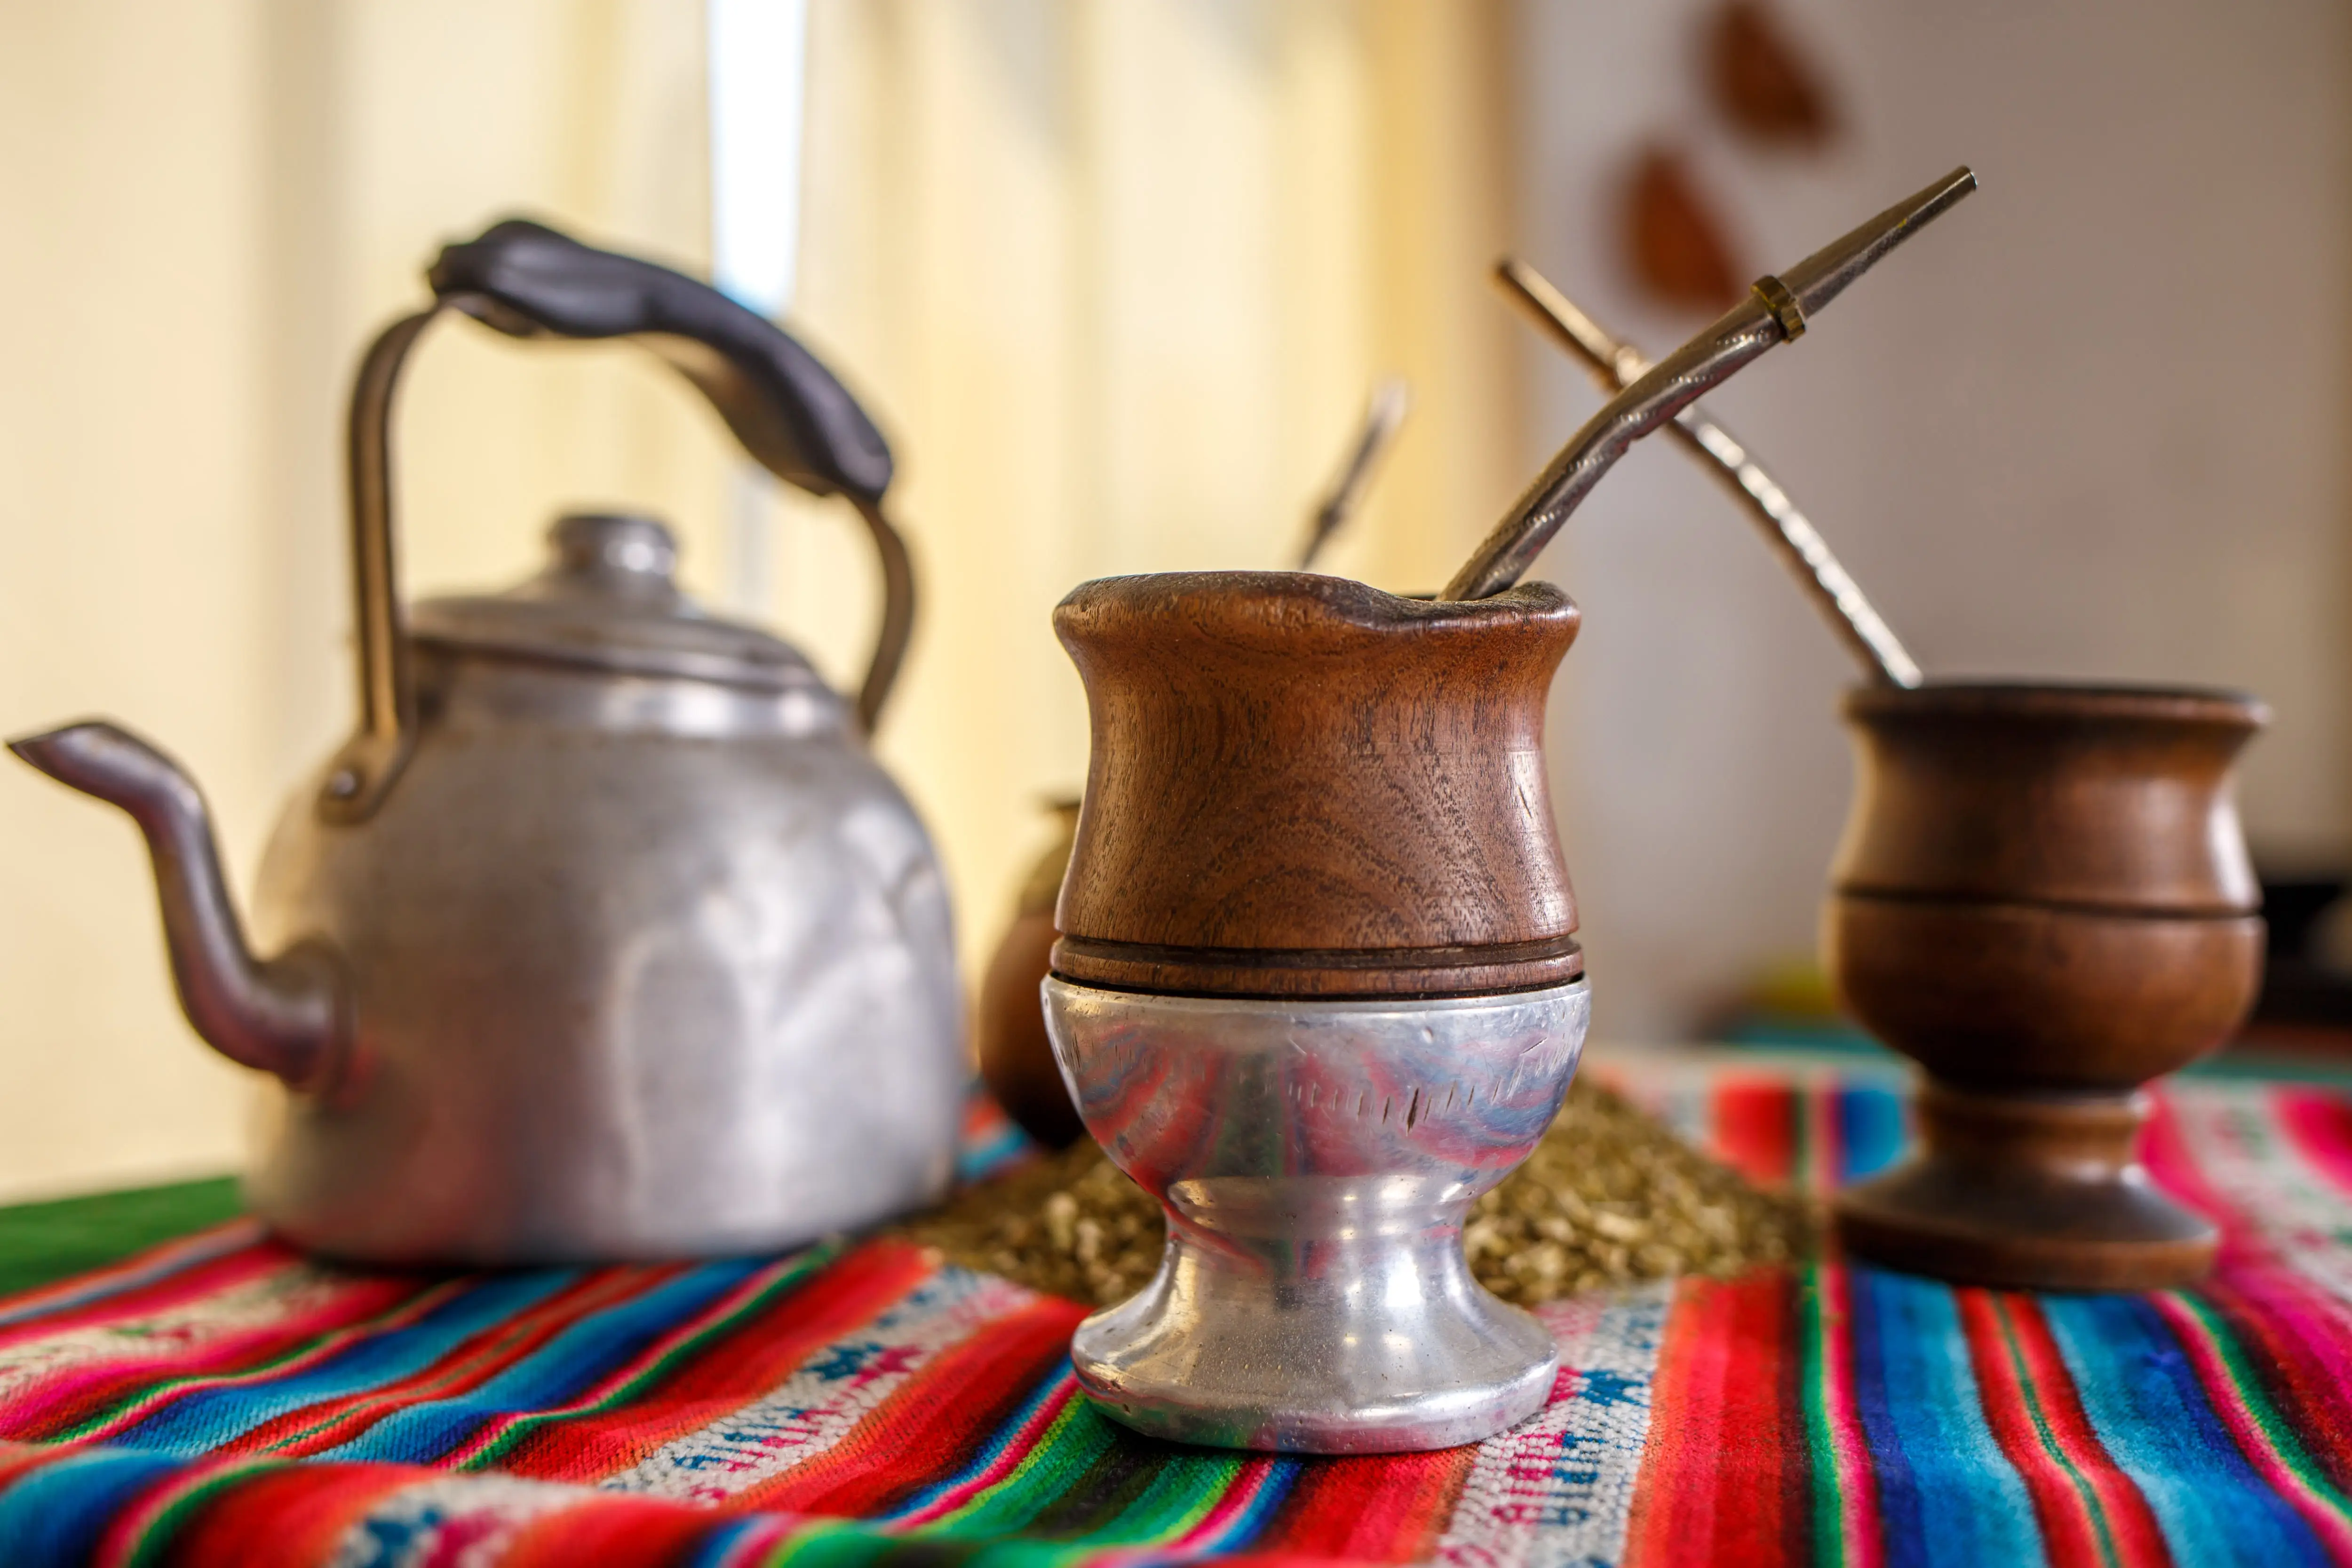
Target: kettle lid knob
(614, 545)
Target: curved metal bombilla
(1775, 310)
(1392, 399)
(1617, 365)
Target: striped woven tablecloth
(218, 1399)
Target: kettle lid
(609, 600)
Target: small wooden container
(2044, 898)
(1301, 787)
(1016, 1060)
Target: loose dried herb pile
(1610, 1196)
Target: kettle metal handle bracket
(528, 281)
(372, 759)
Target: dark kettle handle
(791, 413)
(528, 281)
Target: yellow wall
(137, 576)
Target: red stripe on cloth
(159, 1261)
(2139, 1536)
(579, 1442)
(289, 1518)
(613, 1529)
(2089, 1510)
(1753, 1127)
(1724, 1477)
(2165, 1152)
(1389, 1508)
(1671, 1517)
(1252, 1559)
(2319, 1122)
(929, 1429)
(207, 1276)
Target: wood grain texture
(2030, 996)
(2111, 798)
(1300, 785)
(2044, 898)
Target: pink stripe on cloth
(2319, 1124)
(1853, 1476)
(152, 1282)
(143, 1268)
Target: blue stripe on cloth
(56, 1515)
(1946, 1492)
(2144, 1400)
(1870, 1130)
(976, 1161)
(557, 1372)
(204, 1419)
(1247, 1526)
(719, 1549)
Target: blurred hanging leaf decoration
(1760, 81)
(1764, 88)
(1674, 245)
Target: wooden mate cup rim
(1300, 785)
(2058, 700)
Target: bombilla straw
(1390, 402)
(1616, 365)
(1775, 310)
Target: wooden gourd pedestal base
(2031, 1191)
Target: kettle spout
(284, 1014)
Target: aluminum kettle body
(614, 994)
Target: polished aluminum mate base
(1316, 1161)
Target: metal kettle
(604, 937)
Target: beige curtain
(1116, 276)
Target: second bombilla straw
(1775, 312)
(1382, 416)
(1791, 535)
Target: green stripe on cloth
(44, 1242)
